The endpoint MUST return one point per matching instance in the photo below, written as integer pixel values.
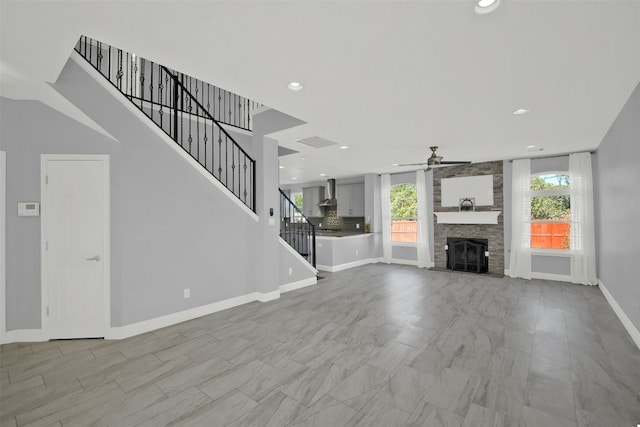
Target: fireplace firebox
(464, 254)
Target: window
(404, 213)
(296, 198)
(550, 211)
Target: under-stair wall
(171, 228)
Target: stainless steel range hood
(331, 194)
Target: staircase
(176, 103)
(191, 112)
(297, 230)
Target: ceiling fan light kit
(435, 160)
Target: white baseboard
(626, 322)
(268, 296)
(404, 262)
(550, 276)
(23, 335)
(340, 267)
(121, 332)
(287, 287)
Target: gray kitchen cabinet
(350, 198)
(311, 196)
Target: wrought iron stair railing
(226, 107)
(297, 230)
(161, 95)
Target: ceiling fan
(435, 160)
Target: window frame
(550, 193)
(392, 218)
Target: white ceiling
(387, 78)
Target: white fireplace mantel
(481, 217)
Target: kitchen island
(336, 251)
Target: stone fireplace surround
(493, 232)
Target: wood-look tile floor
(376, 345)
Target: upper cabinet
(350, 199)
(311, 196)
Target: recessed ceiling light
(344, 147)
(281, 167)
(486, 6)
(395, 164)
(295, 86)
(323, 174)
(530, 147)
(304, 158)
(521, 111)
(294, 178)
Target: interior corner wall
(618, 209)
(171, 228)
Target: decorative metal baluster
(219, 102)
(219, 154)
(189, 117)
(233, 170)
(119, 74)
(245, 181)
(151, 88)
(99, 61)
(160, 100)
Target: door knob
(95, 258)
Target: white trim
(626, 322)
(551, 276)
(297, 255)
(288, 287)
(3, 210)
(340, 267)
(44, 285)
(121, 332)
(24, 335)
(404, 261)
(477, 217)
(567, 253)
(404, 244)
(268, 296)
(159, 132)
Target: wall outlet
(356, 252)
(357, 225)
(290, 271)
(187, 293)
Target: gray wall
(287, 260)
(170, 227)
(618, 208)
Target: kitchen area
(343, 239)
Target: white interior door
(74, 215)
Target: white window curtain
(520, 257)
(583, 262)
(385, 206)
(424, 253)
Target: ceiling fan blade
(413, 164)
(451, 162)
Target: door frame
(44, 228)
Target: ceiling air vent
(316, 142)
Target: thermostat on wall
(28, 209)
